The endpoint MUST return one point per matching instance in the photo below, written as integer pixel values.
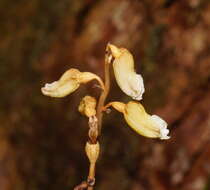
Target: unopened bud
(87, 106)
(92, 151)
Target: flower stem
(91, 174)
(90, 188)
(99, 111)
(105, 92)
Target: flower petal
(67, 84)
(128, 80)
(143, 123)
(88, 76)
(140, 121)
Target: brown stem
(81, 186)
(91, 174)
(102, 99)
(90, 188)
(99, 111)
(95, 123)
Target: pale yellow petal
(60, 90)
(67, 84)
(88, 76)
(128, 80)
(140, 121)
(143, 123)
(116, 52)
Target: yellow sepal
(69, 82)
(128, 80)
(140, 121)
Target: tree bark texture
(42, 139)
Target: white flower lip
(50, 86)
(162, 127)
(137, 85)
(128, 80)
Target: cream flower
(128, 80)
(140, 121)
(69, 82)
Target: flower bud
(128, 80)
(92, 151)
(87, 106)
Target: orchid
(68, 83)
(131, 83)
(151, 126)
(128, 80)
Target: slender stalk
(101, 102)
(91, 174)
(92, 170)
(90, 188)
(102, 99)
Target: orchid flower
(68, 83)
(151, 126)
(128, 80)
(131, 83)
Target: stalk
(105, 92)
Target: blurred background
(42, 139)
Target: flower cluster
(131, 83)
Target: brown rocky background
(42, 139)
